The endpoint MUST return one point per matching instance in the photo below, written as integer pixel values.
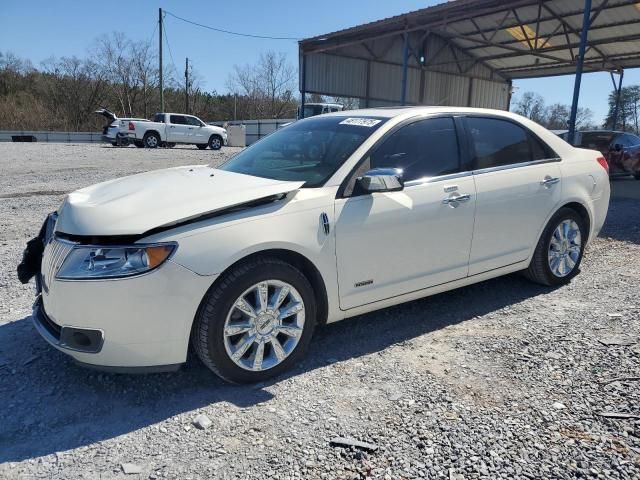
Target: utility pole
(186, 86)
(160, 27)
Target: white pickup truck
(174, 128)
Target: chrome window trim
(516, 165)
(439, 178)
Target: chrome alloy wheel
(216, 143)
(564, 248)
(264, 325)
(152, 141)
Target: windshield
(307, 150)
(596, 140)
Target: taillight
(131, 126)
(603, 163)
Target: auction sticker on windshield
(362, 122)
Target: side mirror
(617, 147)
(381, 180)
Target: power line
(153, 33)
(228, 31)
(166, 37)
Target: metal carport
(467, 52)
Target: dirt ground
(503, 379)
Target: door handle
(548, 181)
(171, 126)
(454, 200)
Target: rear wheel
(215, 142)
(151, 140)
(557, 256)
(256, 322)
(201, 146)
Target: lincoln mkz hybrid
(327, 218)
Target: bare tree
(269, 85)
(531, 105)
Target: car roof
(392, 112)
(608, 132)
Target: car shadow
(623, 218)
(51, 405)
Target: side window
(498, 142)
(193, 121)
(426, 148)
(178, 119)
(158, 117)
(633, 139)
(540, 150)
(628, 140)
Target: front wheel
(256, 322)
(556, 259)
(215, 142)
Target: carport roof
(516, 39)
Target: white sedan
(330, 217)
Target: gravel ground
(503, 379)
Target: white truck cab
(177, 128)
(313, 109)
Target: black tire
(138, 143)
(151, 140)
(207, 335)
(201, 146)
(215, 142)
(539, 270)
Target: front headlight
(95, 262)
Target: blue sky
(38, 29)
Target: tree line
(122, 75)
(553, 117)
(556, 116)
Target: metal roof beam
(369, 32)
(573, 30)
(594, 64)
(549, 18)
(514, 52)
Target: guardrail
(44, 136)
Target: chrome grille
(54, 254)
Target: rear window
(596, 140)
(499, 142)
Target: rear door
(518, 185)
(178, 129)
(393, 243)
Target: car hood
(136, 204)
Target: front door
(197, 131)
(389, 244)
(178, 130)
(518, 184)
